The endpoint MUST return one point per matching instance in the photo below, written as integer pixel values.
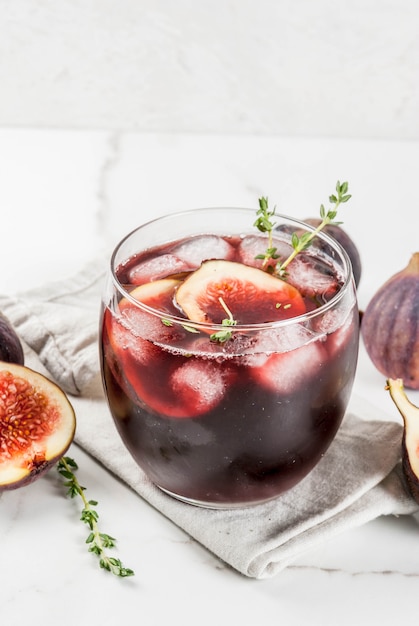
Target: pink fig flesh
(37, 425)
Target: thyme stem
(226, 309)
(224, 335)
(98, 542)
(265, 224)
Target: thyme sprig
(98, 542)
(299, 243)
(222, 336)
(265, 224)
(270, 258)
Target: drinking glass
(223, 415)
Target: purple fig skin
(44, 425)
(410, 439)
(410, 477)
(390, 326)
(11, 350)
(337, 233)
(36, 472)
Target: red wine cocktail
(227, 384)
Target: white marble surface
(298, 67)
(67, 195)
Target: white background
(114, 112)
(340, 68)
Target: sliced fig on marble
(390, 328)
(347, 243)
(410, 440)
(37, 425)
(11, 350)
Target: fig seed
(37, 425)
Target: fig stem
(398, 395)
(98, 542)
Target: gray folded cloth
(358, 479)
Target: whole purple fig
(346, 242)
(11, 350)
(390, 326)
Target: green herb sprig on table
(98, 542)
(299, 243)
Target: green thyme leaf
(190, 329)
(222, 336)
(299, 243)
(98, 542)
(265, 224)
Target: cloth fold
(358, 479)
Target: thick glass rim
(347, 275)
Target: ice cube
(156, 268)
(199, 386)
(126, 341)
(253, 245)
(285, 338)
(288, 372)
(150, 327)
(237, 346)
(339, 333)
(203, 248)
(311, 277)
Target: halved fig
(37, 425)
(410, 440)
(250, 294)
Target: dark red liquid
(250, 439)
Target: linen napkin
(358, 479)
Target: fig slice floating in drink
(252, 295)
(135, 331)
(191, 387)
(37, 425)
(157, 296)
